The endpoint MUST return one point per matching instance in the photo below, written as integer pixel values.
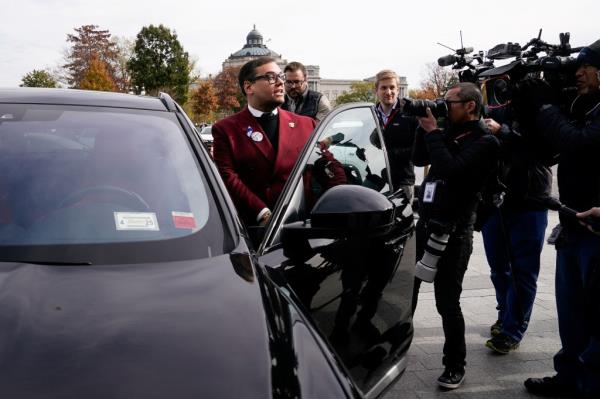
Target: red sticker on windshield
(184, 220)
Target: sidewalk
(487, 375)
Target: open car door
(341, 242)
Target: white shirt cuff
(261, 214)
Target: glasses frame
(293, 83)
(270, 77)
(457, 101)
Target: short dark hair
(468, 91)
(294, 66)
(248, 70)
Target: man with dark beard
(577, 137)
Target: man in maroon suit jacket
(256, 149)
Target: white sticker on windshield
(136, 221)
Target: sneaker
(496, 328)
(451, 378)
(502, 344)
(549, 387)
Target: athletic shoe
(451, 378)
(502, 344)
(550, 387)
(496, 328)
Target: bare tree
(437, 81)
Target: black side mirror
(345, 211)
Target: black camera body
(552, 63)
(535, 60)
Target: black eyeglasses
(270, 77)
(294, 82)
(448, 102)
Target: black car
(126, 273)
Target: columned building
(331, 88)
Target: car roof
(31, 95)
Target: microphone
(447, 60)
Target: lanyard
(389, 119)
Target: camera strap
(461, 136)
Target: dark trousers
(447, 286)
(513, 246)
(577, 262)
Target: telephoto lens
(426, 268)
(414, 107)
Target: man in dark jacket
(299, 99)
(398, 130)
(577, 364)
(513, 235)
(462, 157)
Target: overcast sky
(348, 39)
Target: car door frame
(270, 253)
(276, 221)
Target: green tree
(159, 63)
(359, 91)
(89, 43)
(97, 77)
(38, 78)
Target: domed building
(331, 88)
(253, 48)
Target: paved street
(488, 375)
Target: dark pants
(577, 260)
(513, 253)
(447, 285)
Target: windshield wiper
(51, 263)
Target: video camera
(555, 66)
(552, 63)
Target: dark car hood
(182, 330)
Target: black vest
(309, 105)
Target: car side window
(348, 150)
(350, 141)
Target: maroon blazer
(253, 171)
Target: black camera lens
(414, 107)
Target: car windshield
(101, 185)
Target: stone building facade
(331, 88)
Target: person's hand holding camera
(492, 125)
(428, 123)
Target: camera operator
(578, 250)
(462, 156)
(513, 235)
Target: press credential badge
(429, 193)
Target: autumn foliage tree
(359, 91)
(159, 63)
(437, 81)
(91, 43)
(97, 77)
(230, 97)
(38, 78)
(204, 102)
